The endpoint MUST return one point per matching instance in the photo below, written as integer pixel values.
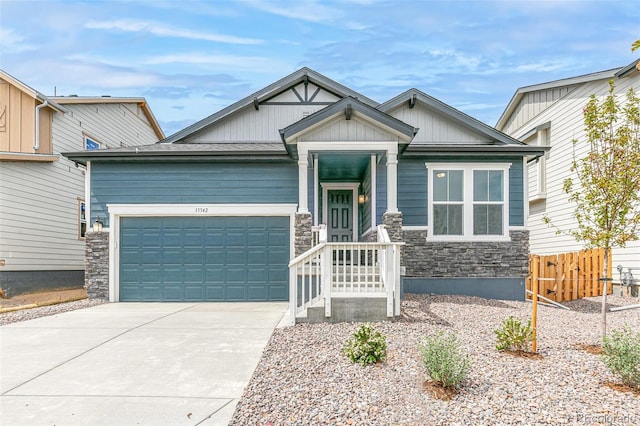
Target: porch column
(303, 164)
(392, 180)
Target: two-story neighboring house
(551, 114)
(42, 194)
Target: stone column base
(96, 262)
(393, 224)
(302, 240)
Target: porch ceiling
(343, 166)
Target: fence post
(534, 314)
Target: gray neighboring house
(310, 192)
(42, 194)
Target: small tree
(607, 195)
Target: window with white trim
(468, 201)
(82, 219)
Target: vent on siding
(306, 114)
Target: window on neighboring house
(468, 201)
(91, 144)
(82, 219)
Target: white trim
(525, 185)
(303, 183)
(348, 146)
(87, 195)
(315, 191)
(116, 211)
(353, 186)
(374, 189)
(415, 228)
(468, 169)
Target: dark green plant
(366, 346)
(621, 353)
(513, 335)
(445, 361)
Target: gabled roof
(139, 101)
(268, 92)
(348, 106)
(414, 95)
(30, 91)
(601, 75)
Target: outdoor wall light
(98, 225)
(361, 199)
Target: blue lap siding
(196, 182)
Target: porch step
(360, 309)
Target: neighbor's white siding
(533, 104)
(567, 124)
(435, 127)
(39, 201)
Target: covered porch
(348, 230)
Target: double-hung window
(468, 201)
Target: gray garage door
(204, 258)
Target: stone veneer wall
(393, 224)
(465, 259)
(96, 275)
(302, 241)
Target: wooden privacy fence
(569, 276)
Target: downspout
(45, 102)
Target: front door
(340, 212)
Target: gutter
(45, 103)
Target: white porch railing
(332, 270)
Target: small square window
(91, 144)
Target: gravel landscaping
(303, 378)
(43, 311)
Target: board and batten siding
(263, 124)
(566, 117)
(413, 184)
(354, 129)
(534, 103)
(182, 182)
(39, 201)
(17, 122)
(435, 127)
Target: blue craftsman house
(310, 192)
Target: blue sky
(190, 58)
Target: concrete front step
(360, 309)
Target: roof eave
(82, 157)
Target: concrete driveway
(133, 363)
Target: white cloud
(166, 31)
(309, 10)
(12, 42)
(222, 62)
(543, 66)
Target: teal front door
(340, 212)
(204, 259)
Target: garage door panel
(152, 293)
(173, 293)
(278, 292)
(193, 293)
(236, 292)
(204, 258)
(214, 293)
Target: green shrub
(366, 346)
(513, 335)
(445, 361)
(621, 353)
